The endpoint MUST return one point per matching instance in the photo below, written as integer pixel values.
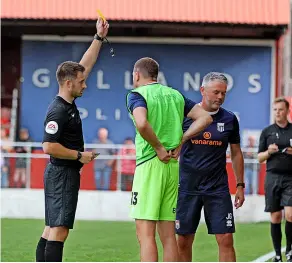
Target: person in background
(275, 148)
(19, 179)
(5, 119)
(4, 160)
(127, 165)
(251, 168)
(103, 167)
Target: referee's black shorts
(278, 191)
(62, 185)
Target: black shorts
(62, 185)
(218, 213)
(278, 191)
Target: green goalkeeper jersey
(165, 113)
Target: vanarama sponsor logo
(207, 136)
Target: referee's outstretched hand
(87, 157)
(273, 148)
(163, 155)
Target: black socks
(54, 251)
(40, 250)
(276, 234)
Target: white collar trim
(211, 112)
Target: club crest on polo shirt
(220, 127)
(52, 127)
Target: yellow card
(100, 15)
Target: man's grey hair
(211, 76)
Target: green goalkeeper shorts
(155, 190)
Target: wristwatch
(79, 155)
(240, 184)
(97, 37)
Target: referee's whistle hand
(273, 148)
(87, 157)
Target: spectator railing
(34, 151)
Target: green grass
(116, 241)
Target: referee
(63, 141)
(275, 147)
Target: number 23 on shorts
(134, 198)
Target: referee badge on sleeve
(51, 127)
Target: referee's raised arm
(90, 56)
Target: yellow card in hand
(101, 15)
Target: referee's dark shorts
(62, 185)
(278, 191)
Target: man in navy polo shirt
(203, 175)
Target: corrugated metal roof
(265, 12)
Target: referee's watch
(240, 184)
(98, 38)
(79, 155)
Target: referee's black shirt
(63, 125)
(278, 162)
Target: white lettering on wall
(40, 78)
(128, 80)
(83, 113)
(117, 114)
(230, 81)
(253, 80)
(190, 82)
(100, 84)
(99, 115)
